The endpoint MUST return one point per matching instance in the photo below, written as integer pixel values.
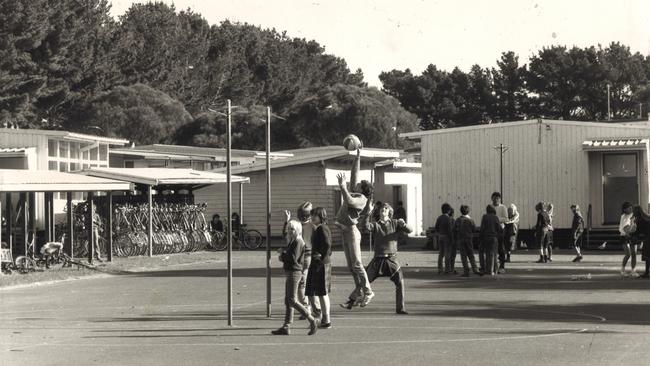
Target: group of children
(497, 238)
(634, 228)
(306, 258)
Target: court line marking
(274, 344)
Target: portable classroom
(564, 162)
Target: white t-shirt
(626, 220)
(502, 214)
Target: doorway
(620, 184)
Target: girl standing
(320, 270)
(541, 232)
(292, 258)
(511, 230)
(626, 228)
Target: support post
(10, 224)
(48, 217)
(241, 203)
(109, 229)
(268, 212)
(32, 219)
(91, 228)
(150, 225)
(70, 221)
(229, 209)
(25, 208)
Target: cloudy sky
(381, 35)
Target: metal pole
(640, 110)
(48, 226)
(150, 225)
(23, 198)
(32, 219)
(501, 169)
(91, 227)
(241, 203)
(70, 218)
(10, 209)
(609, 113)
(229, 209)
(268, 212)
(109, 251)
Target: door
(620, 184)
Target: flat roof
(312, 155)
(67, 135)
(21, 180)
(629, 125)
(163, 176)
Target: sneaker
(281, 331)
(501, 271)
(633, 274)
(325, 325)
(348, 304)
(366, 299)
(549, 259)
(402, 312)
(313, 327)
(623, 273)
(579, 259)
(540, 260)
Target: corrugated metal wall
(545, 162)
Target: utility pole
(229, 209)
(501, 148)
(609, 111)
(268, 212)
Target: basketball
(352, 142)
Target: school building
(595, 165)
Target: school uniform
(465, 228)
(320, 270)
(444, 230)
(385, 263)
(577, 228)
(489, 233)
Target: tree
(510, 88)
(138, 112)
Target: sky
(383, 35)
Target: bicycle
(249, 238)
(31, 262)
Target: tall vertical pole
(501, 169)
(91, 227)
(150, 226)
(229, 209)
(46, 209)
(32, 219)
(609, 113)
(10, 216)
(25, 207)
(640, 110)
(268, 212)
(109, 229)
(70, 220)
(241, 203)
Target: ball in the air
(351, 142)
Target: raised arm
(356, 168)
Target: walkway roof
(163, 176)
(20, 180)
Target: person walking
(549, 234)
(320, 270)
(292, 258)
(465, 228)
(626, 228)
(385, 233)
(355, 206)
(577, 228)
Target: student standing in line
(444, 232)
(577, 228)
(549, 235)
(292, 258)
(541, 231)
(465, 228)
(626, 228)
(642, 235)
(320, 269)
(453, 248)
(490, 231)
(385, 233)
(502, 215)
(355, 205)
(511, 229)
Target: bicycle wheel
(25, 264)
(219, 241)
(252, 239)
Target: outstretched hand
(287, 215)
(341, 178)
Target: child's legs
(442, 250)
(633, 251)
(482, 256)
(469, 251)
(502, 251)
(303, 280)
(325, 308)
(398, 280)
(291, 297)
(462, 246)
(451, 257)
(359, 270)
(626, 248)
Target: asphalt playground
(533, 315)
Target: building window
(52, 165)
